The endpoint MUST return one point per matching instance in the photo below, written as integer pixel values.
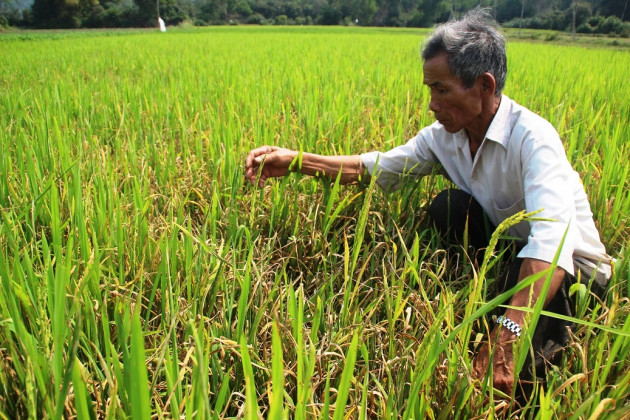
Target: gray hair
(473, 45)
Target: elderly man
(504, 159)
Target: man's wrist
(296, 162)
(510, 325)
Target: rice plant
(140, 276)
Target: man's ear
(488, 84)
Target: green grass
(140, 274)
(567, 38)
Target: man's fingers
(266, 162)
(253, 155)
(253, 160)
(480, 362)
(480, 370)
(502, 366)
(477, 371)
(503, 383)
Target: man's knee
(455, 213)
(449, 209)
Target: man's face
(455, 106)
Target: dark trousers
(450, 211)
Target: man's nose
(434, 105)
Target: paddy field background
(141, 277)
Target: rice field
(142, 277)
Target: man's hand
(502, 341)
(275, 162)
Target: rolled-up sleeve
(413, 159)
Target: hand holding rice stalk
(267, 162)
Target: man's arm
(502, 339)
(277, 162)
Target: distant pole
(520, 24)
(574, 13)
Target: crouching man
(503, 159)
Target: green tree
(171, 11)
(213, 11)
(331, 15)
(56, 13)
(432, 11)
(146, 12)
(617, 8)
(510, 9)
(364, 11)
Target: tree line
(587, 16)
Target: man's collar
(499, 130)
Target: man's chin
(450, 128)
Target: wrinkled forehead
(436, 71)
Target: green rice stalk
(251, 399)
(346, 378)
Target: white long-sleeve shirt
(520, 165)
